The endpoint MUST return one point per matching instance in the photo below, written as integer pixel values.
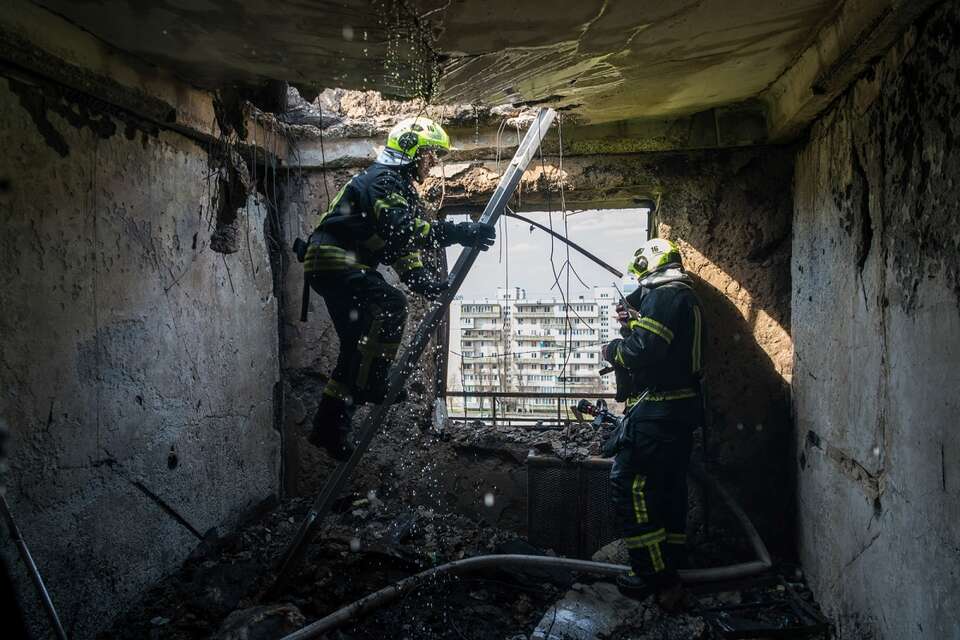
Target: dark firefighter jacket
(375, 219)
(661, 352)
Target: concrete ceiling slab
(214, 43)
(615, 59)
(606, 61)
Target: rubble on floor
(421, 499)
(576, 442)
(600, 611)
(369, 543)
(763, 607)
(365, 546)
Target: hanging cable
(566, 234)
(510, 213)
(553, 265)
(323, 158)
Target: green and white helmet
(413, 134)
(653, 255)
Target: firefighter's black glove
(300, 249)
(627, 318)
(474, 234)
(609, 351)
(613, 444)
(420, 281)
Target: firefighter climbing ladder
(405, 363)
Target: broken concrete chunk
(261, 623)
(319, 113)
(587, 612)
(612, 553)
(599, 611)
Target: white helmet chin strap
(392, 158)
(667, 273)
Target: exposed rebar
(32, 569)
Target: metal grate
(569, 508)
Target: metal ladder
(405, 363)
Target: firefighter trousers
(649, 483)
(368, 315)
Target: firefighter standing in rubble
(658, 364)
(376, 218)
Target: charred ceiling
(605, 61)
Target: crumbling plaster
(876, 316)
(137, 365)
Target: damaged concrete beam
(607, 182)
(735, 126)
(38, 47)
(843, 49)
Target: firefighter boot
(633, 586)
(378, 380)
(331, 428)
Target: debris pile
(401, 519)
(572, 443)
(365, 545)
(344, 113)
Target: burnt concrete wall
(730, 212)
(876, 316)
(137, 366)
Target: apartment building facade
(513, 343)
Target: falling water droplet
(354, 544)
(347, 32)
(488, 500)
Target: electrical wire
(323, 157)
(566, 234)
(564, 297)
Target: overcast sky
(611, 235)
